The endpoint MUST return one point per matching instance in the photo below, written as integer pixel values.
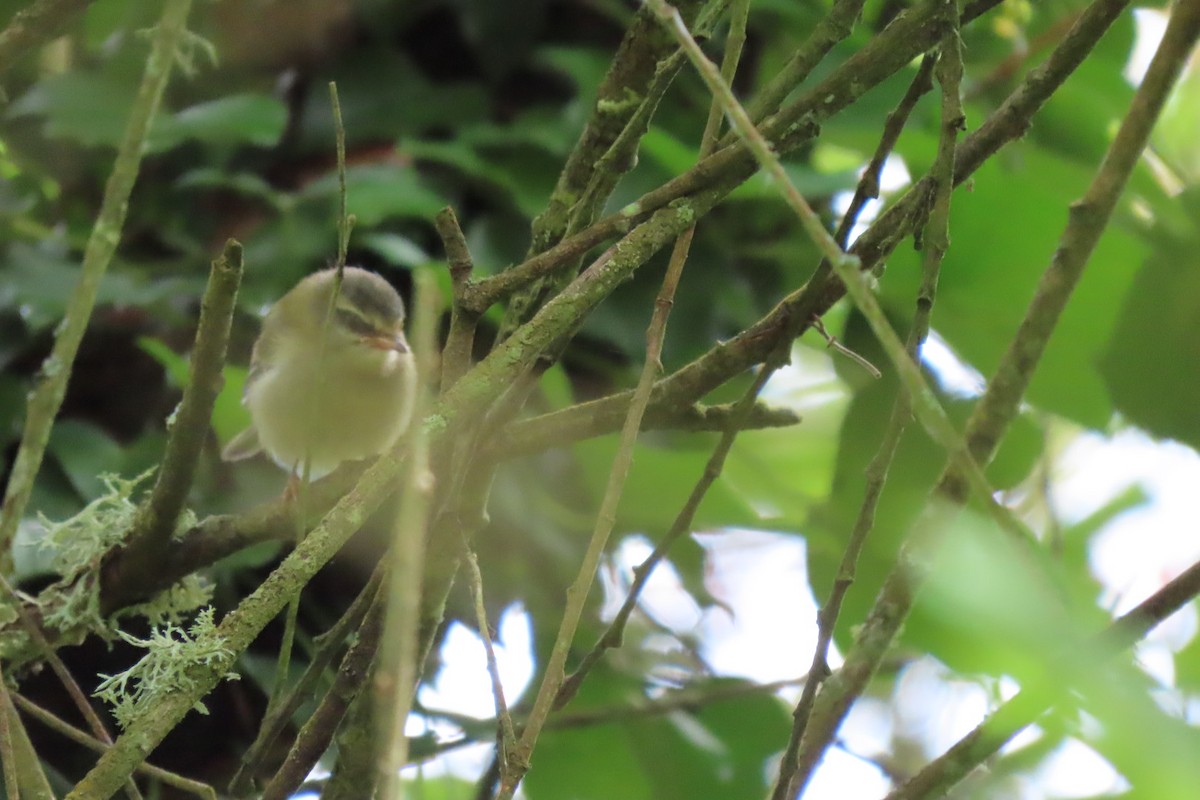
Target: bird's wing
(264, 355)
(244, 445)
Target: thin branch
(154, 526)
(326, 647)
(401, 656)
(618, 99)
(507, 736)
(514, 768)
(344, 225)
(833, 344)
(8, 753)
(686, 699)
(318, 729)
(833, 28)
(564, 427)
(1023, 709)
(682, 525)
(1087, 221)
(949, 70)
(51, 386)
(682, 700)
(868, 185)
(754, 140)
(655, 336)
(80, 737)
(990, 417)
(925, 404)
(28, 778)
(345, 221)
(50, 656)
(456, 355)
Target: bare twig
(997, 407)
(514, 768)
(344, 225)
(456, 355)
(682, 525)
(893, 126)
(326, 647)
(655, 335)
(345, 221)
(685, 699)
(1027, 705)
(949, 70)
(833, 344)
(156, 520)
(318, 730)
(400, 667)
(564, 427)
(833, 28)
(507, 736)
(47, 653)
(8, 753)
(23, 771)
(81, 737)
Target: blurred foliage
(475, 105)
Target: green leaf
(714, 749)
(240, 182)
(663, 476)
(395, 249)
(85, 452)
(995, 605)
(1005, 231)
(252, 119)
(89, 108)
(506, 171)
(229, 415)
(1151, 364)
(376, 192)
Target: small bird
(362, 400)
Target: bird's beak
(396, 343)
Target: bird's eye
(354, 323)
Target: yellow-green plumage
(362, 400)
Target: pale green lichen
(78, 543)
(172, 654)
(77, 546)
(628, 102)
(434, 425)
(685, 210)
